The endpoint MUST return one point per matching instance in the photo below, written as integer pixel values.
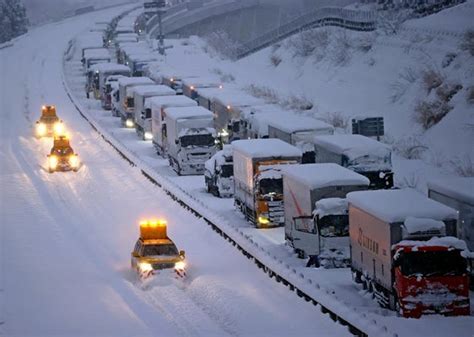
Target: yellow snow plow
(49, 124)
(62, 156)
(155, 251)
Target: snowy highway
(66, 237)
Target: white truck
(219, 173)
(142, 114)
(361, 154)
(190, 139)
(126, 101)
(299, 131)
(404, 250)
(258, 186)
(95, 56)
(316, 216)
(157, 105)
(254, 120)
(97, 75)
(191, 84)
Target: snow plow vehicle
(62, 157)
(49, 124)
(155, 251)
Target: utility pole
(161, 42)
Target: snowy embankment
(67, 237)
(333, 288)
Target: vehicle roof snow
(323, 175)
(106, 67)
(232, 98)
(353, 146)
(414, 225)
(294, 123)
(177, 100)
(461, 188)
(257, 148)
(97, 52)
(188, 112)
(155, 90)
(397, 205)
(202, 81)
(330, 206)
(135, 80)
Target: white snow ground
(66, 238)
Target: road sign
(370, 126)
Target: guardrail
(327, 16)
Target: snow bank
(324, 175)
(397, 205)
(353, 146)
(460, 188)
(260, 148)
(294, 123)
(202, 82)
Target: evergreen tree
(13, 20)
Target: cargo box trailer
(127, 100)
(404, 249)
(95, 56)
(361, 154)
(316, 215)
(98, 73)
(258, 186)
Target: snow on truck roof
(273, 147)
(188, 112)
(235, 98)
(96, 52)
(460, 188)
(397, 205)
(105, 67)
(294, 123)
(135, 80)
(324, 175)
(353, 146)
(202, 81)
(155, 90)
(177, 100)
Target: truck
(316, 215)
(157, 105)
(95, 56)
(173, 78)
(49, 123)
(138, 61)
(219, 173)
(361, 154)
(404, 249)
(141, 114)
(191, 84)
(254, 120)
(190, 138)
(98, 73)
(258, 185)
(126, 100)
(62, 157)
(106, 100)
(299, 131)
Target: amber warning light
(153, 229)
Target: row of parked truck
(333, 193)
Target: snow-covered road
(66, 238)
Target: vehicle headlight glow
(263, 220)
(58, 128)
(53, 162)
(148, 135)
(180, 265)
(145, 267)
(74, 161)
(41, 129)
(129, 123)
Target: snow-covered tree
(13, 20)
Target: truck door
(305, 235)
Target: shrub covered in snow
(428, 114)
(309, 42)
(467, 42)
(337, 119)
(463, 165)
(431, 79)
(221, 44)
(275, 60)
(409, 147)
(406, 77)
(268, 95)
(446, 91)
(341, 49)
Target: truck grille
(276, 212)
(163, 265)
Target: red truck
(404, 250)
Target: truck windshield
(197, 140)
(438, 263)
(334, 225)
(153, 250)
(227, 170)
(271, 185)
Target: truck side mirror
(176, 141)
(135, 254)
(182, 253)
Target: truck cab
(49, 124)
(219, 173)
(62, 156)
(155, 251)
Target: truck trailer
(258, 186)
(299, 131)
(98, 73)
(126, 100)
(142, 114)
(361, 154)
(316, 215)
(157, 106)
(404, 249)
(190, 138)
(219, 173)
(95, 56)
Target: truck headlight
(53, 162)
(180, 265)
(148, 136)
(74, 161)
(40, 129)
(263, 220)
(129, 123)
(58, 128)
(145, 267)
